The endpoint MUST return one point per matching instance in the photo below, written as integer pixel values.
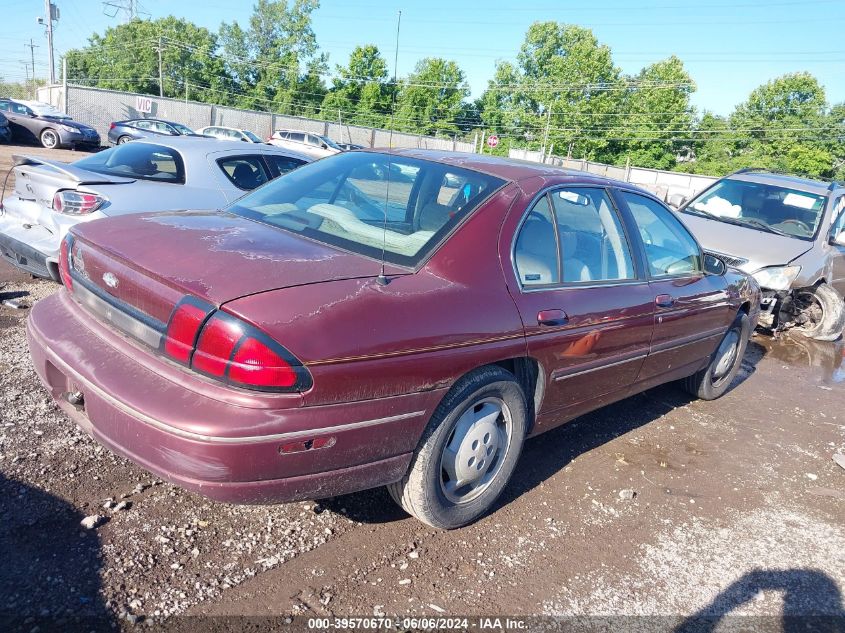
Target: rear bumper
(25, 257)
(215, 440)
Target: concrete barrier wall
(660, 182)
(99, 107)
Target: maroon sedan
(403, 319)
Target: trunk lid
(37, 180)
(146, 263)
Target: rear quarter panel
(422, 331)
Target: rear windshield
(145, 161)
(252, 137)
(365, 202)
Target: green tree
(125, 57)
(784, 122)
(657, 118)
(359, 93)
(430, 100)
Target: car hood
(156, 258)
(758, 249)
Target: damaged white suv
(789, 233)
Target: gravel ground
(657, 508)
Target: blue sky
(729, 48)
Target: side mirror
(677, 200)
(838, 239)
(714, 266)
(324, 146)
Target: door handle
(552, 317)
(664, 301)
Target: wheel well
(746, 308)
(530, 378)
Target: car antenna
(382, 279)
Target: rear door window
(299, 137)
(592, 241)
(144, 161)
(536, 253)
(245, 172)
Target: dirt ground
(672, 510)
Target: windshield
(45, 109)
(762, 207)
(328, 141)
(184, 131)
(145, 161)
(252, 137)
(342, 200)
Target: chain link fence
(98, 107)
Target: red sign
(492, 140)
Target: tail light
(112, 126)
(223, 347)
(64, 261)
(77, 203)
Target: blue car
(124, 131)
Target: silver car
(161, 174)
(789, 234)
(314, 145)
(229, 134)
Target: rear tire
(828, 313)
(49, 138)
(468, 451)
(715, 379)
(123, 139)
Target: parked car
(348, 147)
(36, 122)
(229, 134)
(306, 142)
(124, 131)
(789, 233)
(166, 173)
(5, 129)
(298, 349)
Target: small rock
(812, 476)
(140, 488)
(436, 608)
(627, 494)
(405, 581)
(108, 504)
(123, 505)
(403, 566)
(839, 459)
(90, 522)
(378, 610)
(413, 554)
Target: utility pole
(160, 73)
(32, 46)
(52, 14)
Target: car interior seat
(536, 252)
(245, 176)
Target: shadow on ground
(811, 603)
(50, 569)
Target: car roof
(808, 185)
(208, 145)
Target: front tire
(715, 379)
(825, 310)
(468, 451)
(49, 138)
